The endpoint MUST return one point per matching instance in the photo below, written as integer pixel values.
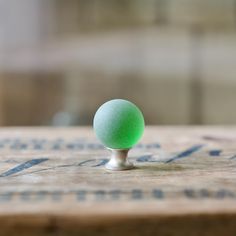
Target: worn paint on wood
(54, 180)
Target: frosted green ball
(118, 124)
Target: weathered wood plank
(53, 181)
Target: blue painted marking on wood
(59, 143)
(189, 193)
(224, 193)
(218, 139)
(152, 145)
(95, 146)
(233, 157)
(115, 194)
(204, 193)
(26, 196)
(24, 146)
(56, 146)
(147, 158)
(5, 140)
(23, 166)
(5, 197)
(102, 162)
(10, 161)
(100, 195)
(40, 195)
(137, 194)
(38, 146)
(158, 193)
(147, 146)
(15, 146)
(71, 146)
(79, 146)
(215, 153)
(57, 196)
(144, 158)
(81, 195)
(139, 145)
(185, 153)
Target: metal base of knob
(119, 160)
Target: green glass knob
(119, 124)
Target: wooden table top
(53, 180)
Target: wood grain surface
(53, 182)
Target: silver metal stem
(119, 160)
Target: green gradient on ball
(118, 124)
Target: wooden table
(53, 182)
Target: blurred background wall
(61, 59)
